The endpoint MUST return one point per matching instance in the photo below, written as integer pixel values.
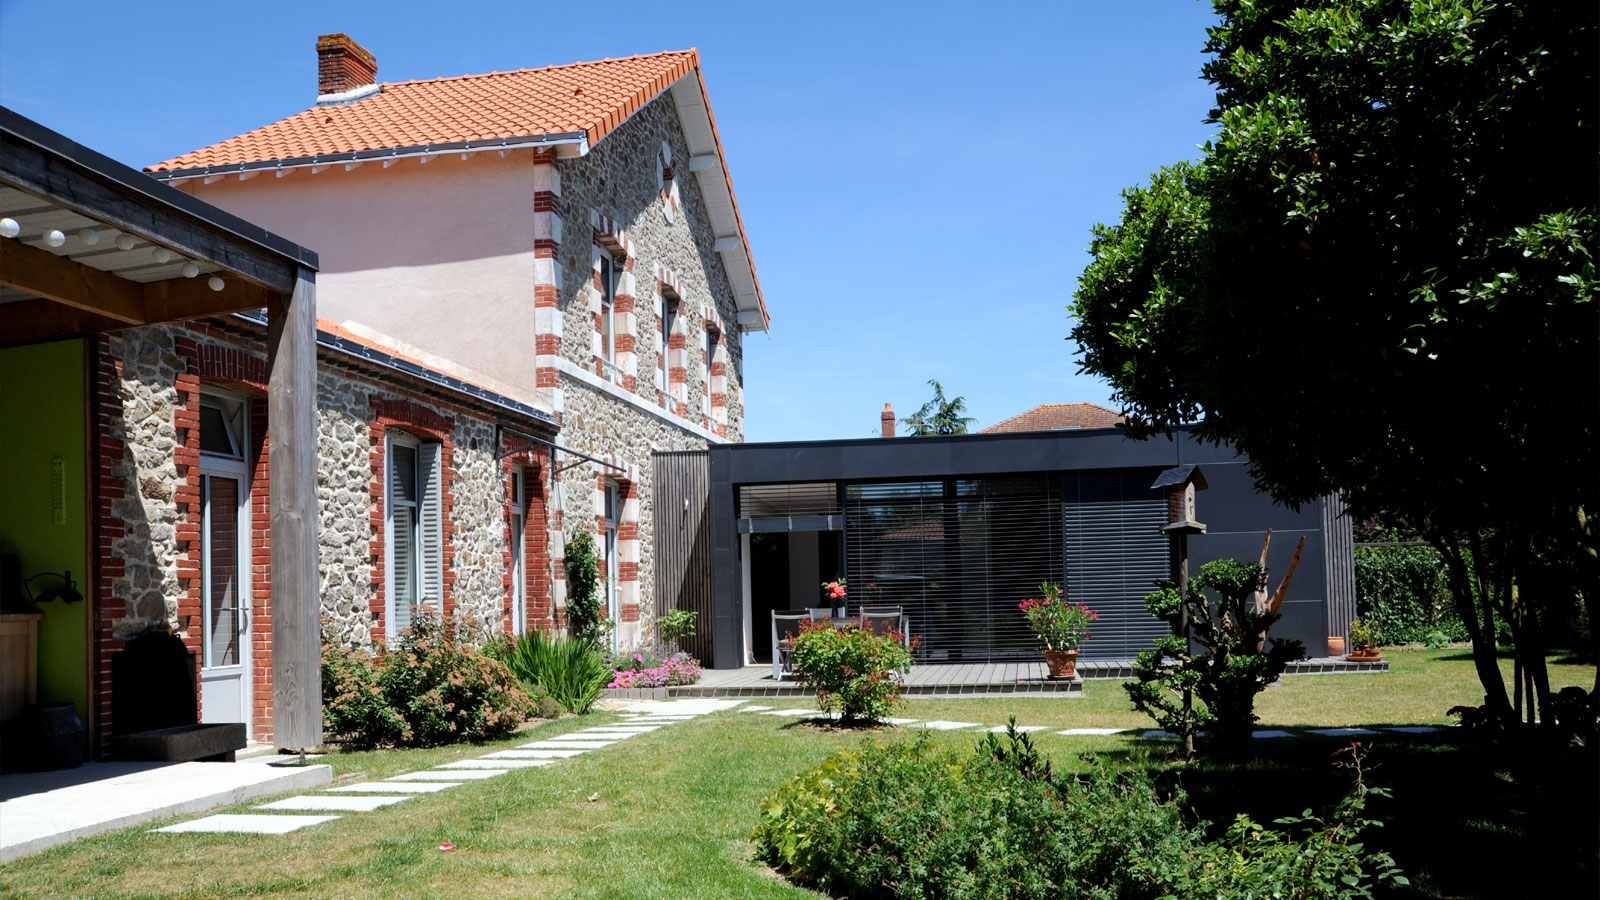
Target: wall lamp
(68, 591)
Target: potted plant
(1363, 641)
(1062, 627)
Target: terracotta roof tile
(588, 97)
(1058, 416)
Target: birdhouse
(1180, 483)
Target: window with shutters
(414, 530)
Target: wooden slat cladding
(1338, 535)
(683, 541)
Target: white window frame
(608, 307)
(519, 546)
(235, 411)
(613, 570)
(428, 454)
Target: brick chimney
(343, 65)
(888, 420)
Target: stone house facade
(180, 413)
(556, 259)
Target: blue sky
(918, 180)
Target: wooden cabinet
(19, 662)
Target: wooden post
(292, 435)
(1183, 607)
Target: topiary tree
(585, 618)
(1234, 662)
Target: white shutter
(432, 526)
(402, 538)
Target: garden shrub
(909, 821)
(428, 689)
(571, 671)
(1402, 592)
(851, 669)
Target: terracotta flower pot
(1363, 654)
(1335, 645)
(1062, 663)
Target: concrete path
(369, 796)
(42, 809)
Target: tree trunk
(1480, 632)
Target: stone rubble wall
(148, 509)
(150, 513)
(601, 425)
(617, 180)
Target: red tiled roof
(589, 97)
(1058, 416)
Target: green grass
(675, 807)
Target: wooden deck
(971, 679)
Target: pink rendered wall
(435, 259)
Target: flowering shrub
(635, 671)
(851, 669)
(1060, 625)
(428, 689)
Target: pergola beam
(44, 274)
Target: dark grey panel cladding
(1338, 540)
(683, 542)
(1115, 555)
(958, 555)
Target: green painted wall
(42, 418)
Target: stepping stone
(1157, 733)
(598, 735)
(938, 725)
(1273, 733)
(340, 803)
(394, 787)
(497, 764)
(1102, 732)
(246, 824)
(1340, 732)
(1001, 729)
(631, 729)
(755, 709)
(567, 745)
(794, 712)
(1414, 729)
(901, 721)
(452, 775)
(525, 753)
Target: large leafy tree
(1379, 281)
(939, 415)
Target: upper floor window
(705, 383)
(608, 308)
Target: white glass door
(519, 566)
(613, 612)
(224, 587)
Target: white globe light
(190, 270)
(54, 238)
(9, 228)
(89, 236)
(162, 254)
(214, 283)
(125, 242)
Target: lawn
(671, 811)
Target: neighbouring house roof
(572, 107)
(1058, 417)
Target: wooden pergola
(99, 247)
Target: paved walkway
(39, 810)
(366, 796)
